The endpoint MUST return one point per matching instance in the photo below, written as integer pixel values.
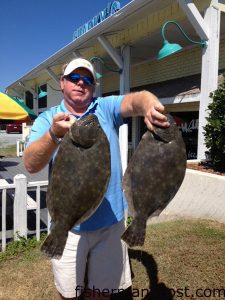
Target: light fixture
(92, 59)
(169, 48)
(42, 94)
(98, 75)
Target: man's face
(77, 93)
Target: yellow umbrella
(13, 109)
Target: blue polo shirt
(107, 110)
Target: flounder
(153, 177)
(78, 181)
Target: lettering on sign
(189, 126)
(112, 8)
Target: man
(96, 242)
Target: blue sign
(112, 8)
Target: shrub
(14, 248)
(214, 131)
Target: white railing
(17, 192)
(20, 147)
(20, 144)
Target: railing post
(38, 198)
(20, 206)
(3, 219)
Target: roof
(127, 26)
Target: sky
(33, 30)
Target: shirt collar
(64, 109)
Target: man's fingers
(60, 117)
(64, 118)
(149, 124)
(157, 118)
(71, 119)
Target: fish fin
(134, 235)
(52, 246)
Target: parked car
(14, 127)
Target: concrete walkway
(201, 195)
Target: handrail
(22, 203)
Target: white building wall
(54, 97)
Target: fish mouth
(161, 138)
(84, 131)
(90, 120)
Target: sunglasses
(74, 77)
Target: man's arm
(38, 154)
(144, 104)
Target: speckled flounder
(78, 181)
(153, 177)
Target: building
(123, 43)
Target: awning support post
(208, 29)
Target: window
(42, 102)
(187, 122)
(29, 100)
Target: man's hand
(147, 105)
(38, 154)
(155, 116)
(61, 124)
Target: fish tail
(53, 245)
(134, 235)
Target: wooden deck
(9, 167)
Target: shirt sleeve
(111, 106)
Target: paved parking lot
(10, 166)
(7, 139)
